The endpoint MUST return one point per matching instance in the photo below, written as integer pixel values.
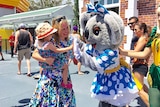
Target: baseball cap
(21, 26)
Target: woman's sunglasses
(59, 19)
(130, 24)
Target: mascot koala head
(101, 28)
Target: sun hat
(44, 29)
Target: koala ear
(83, 20)
(85, 16)
(116, 27)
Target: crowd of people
(54, 53)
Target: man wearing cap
(23, 41)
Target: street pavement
(16, 90)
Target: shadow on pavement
(85, 72)
(23, 102)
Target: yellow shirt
(155, 46)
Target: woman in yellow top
(153, 46)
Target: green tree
(76, 13)
(40, 4)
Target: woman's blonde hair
(57, 23)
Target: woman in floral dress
(54, 95)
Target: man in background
(22, 44)
(132, 21)
(11, 42)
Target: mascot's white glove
(76, 49)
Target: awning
(8, 26)
(37, 16)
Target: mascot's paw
(76, 49)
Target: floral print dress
(48, 91)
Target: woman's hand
(121, 51)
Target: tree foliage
(40, 4)
(76, 13)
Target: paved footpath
(16, 90)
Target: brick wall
(146, 10)
(123, 7)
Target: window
(101, 2)
(115, 9)
(112, 1)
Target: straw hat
(44, 29)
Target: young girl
(47, 43)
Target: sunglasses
(130, 24)
(59, 19)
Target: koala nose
(86, 33)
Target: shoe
(36, 76)
(29, 75)
(67, 86)
(2, 59)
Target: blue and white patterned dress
(48, 92)
(117, 88)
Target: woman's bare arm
(39, 58)
(141, 55)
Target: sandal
(29, 75)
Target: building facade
(13, 6)
(143, 9)
(10, 7)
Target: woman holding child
(56, 94)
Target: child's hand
(71, 46)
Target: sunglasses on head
(130, 24)
(59, 19)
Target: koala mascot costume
(113, 84)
